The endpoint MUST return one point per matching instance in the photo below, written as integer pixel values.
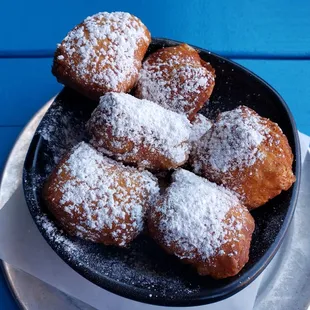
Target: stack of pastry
(105, 189)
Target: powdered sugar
(200, 125)
(95, 195)
(175, 83)
(102, 49)
(192, 216)
(61, 131)
(233, 142)
(54, 234)
(143, 122)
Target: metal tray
(285, 282)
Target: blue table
(270, 38)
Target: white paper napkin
(22, 246)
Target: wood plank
(238, 27)
(291, 80)
(25, 85)
(7, 301)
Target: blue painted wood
(8, 136)
(291, 80)
(25, 85)
(6, 300)
(265, 27)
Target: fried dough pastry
(203, 224)
(95, 198)
(102, 54)
(248, 154)
(177, 79)
(200, 125)
(139, 132)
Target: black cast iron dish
(144, 272)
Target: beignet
(177, 79)
(102, 54)
(203, 224)
(99, 199)
(248, 154)
(200, 125)
(139, 132)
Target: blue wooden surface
(291, 79)
(241, 27)
(6, 300)
(25, 84)
(269, 37)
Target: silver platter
(285, 283)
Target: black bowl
(143, 272)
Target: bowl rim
(141, 295)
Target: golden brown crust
(265, 179)
(223, 266)
(114, 68)
(176, 78)
(270, 174)
(218, 266)
(139, 132)
(227, 260)
(108, 221)
(144, 155)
